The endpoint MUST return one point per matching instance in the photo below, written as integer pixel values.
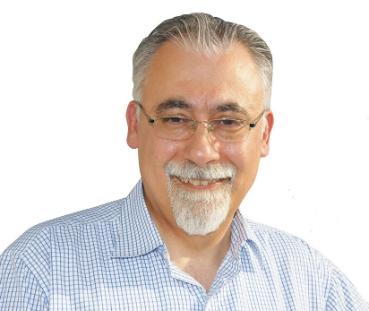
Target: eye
(174, 120)
(228, 123)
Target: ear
(269, 121)
(132, 124)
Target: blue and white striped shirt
(112, 258)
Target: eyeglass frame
(195, 123)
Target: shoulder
(36, 241)
(276, 239)
(296, 262)
(29, 261)
(290, 254)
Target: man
(201, 121)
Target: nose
(202, 148)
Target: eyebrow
(233, 107)
(182, 104)
(171, 104)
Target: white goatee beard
(199, 212)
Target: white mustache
(189, 170)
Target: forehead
(230, 76)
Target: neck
(198, 256)
(211, 245)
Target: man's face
(182, 82)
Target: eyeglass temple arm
(253, 124)
(149, 119)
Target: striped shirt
(111, 257)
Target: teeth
(198, 182)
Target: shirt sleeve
(19, 288)
(342, 294)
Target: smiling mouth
(201, 182)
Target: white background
(65, 80)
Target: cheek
(242, 156)
(245, 158)
(155, 153)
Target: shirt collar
(242, 233)
(250, 243)
(137, 233)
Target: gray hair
(206, 34)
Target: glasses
(178, 127)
